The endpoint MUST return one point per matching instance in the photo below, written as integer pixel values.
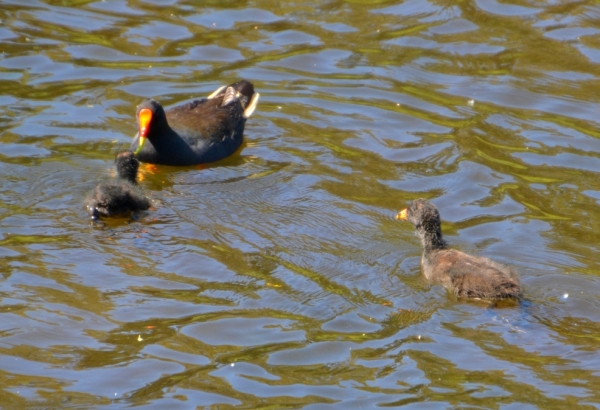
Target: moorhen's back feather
(120, 195)
(464, 275)
(200, 131)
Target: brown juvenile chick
(464, 275)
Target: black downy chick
(121, 194)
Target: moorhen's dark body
(120, 195)
(198, 132)
(465, 275)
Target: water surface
(278, 278)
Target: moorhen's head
(150, 114)
(244, 91)
(426, 218)
(127, 166)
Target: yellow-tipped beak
(144, 119)
(142, 142)
(401, 215)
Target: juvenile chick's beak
(401, 215)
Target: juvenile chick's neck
(129, 174)
(432, 240)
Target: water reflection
(278, 276)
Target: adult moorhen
(121, 194)
(464, 275)
(201, 131)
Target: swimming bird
(198, 132)
(464, 275)
(121, 194)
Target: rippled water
(278, 278)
